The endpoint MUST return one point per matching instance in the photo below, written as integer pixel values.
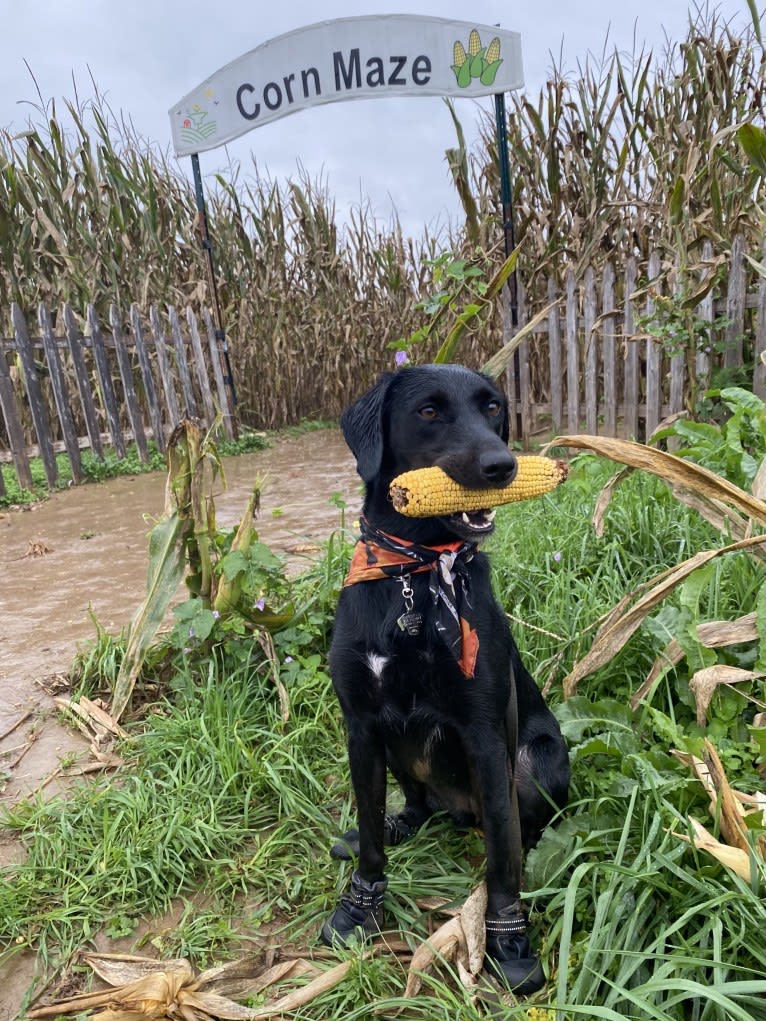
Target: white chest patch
(377, 664)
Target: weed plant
(224, 803)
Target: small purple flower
(401, 358)
(288, 659)
(557, 556)
(216, 614)
(259, 603)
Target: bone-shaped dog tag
(411, 622)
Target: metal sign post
(506, 198)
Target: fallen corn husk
(737, 851)
(459, 941)
(143, 989)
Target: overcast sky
(145, 56)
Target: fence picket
(215, 358)
(572, 355)
(83, 384)
(34, 395)
(126, 374)
(14, 427)
(759, 347)
(554, 358)
(105, 382)
(735, 304)
(704, 311)
(190, 401)
(607, 333)
(525, 375)
(164, 367)
(630, 416)
(199, 362)
(60, 393)
(653, 360)
(591, 353)
(155, 414)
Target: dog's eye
(493, 407)
(428, 411)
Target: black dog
(424, 664)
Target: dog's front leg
(508, 953)
(360, 911)
(367, 759)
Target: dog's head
(443, 415)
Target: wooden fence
(590, 367)
(67, 388)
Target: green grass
(219, 795)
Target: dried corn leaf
(713, 634)
(730, 819)
(671, 469)
(300, 997)
(460, 941)
(249, 975)
(474, 932)
(716, 512)
(619, 626)
(605, 498)
(732, 857)
(92, 720)
(746, 803)
(152, 996)
(441, 945)
(120, 969)
(705, 682)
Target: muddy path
(84, 551)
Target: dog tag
(410, 622)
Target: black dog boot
(358, 915)
(508, 955)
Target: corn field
(630, 156)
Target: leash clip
(410, 621)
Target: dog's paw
(396, 828)
(347, 847)
(508, 956)
(358, 915)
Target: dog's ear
(362, 427)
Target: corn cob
(458, 56)
(474, 42)
(493, 51)
(430, 491)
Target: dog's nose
(498, 467)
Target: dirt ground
(83, 552)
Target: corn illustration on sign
(345, 59)
(480, 62)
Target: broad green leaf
(753, 140)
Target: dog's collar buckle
(410, 621)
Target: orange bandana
(379, 555)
